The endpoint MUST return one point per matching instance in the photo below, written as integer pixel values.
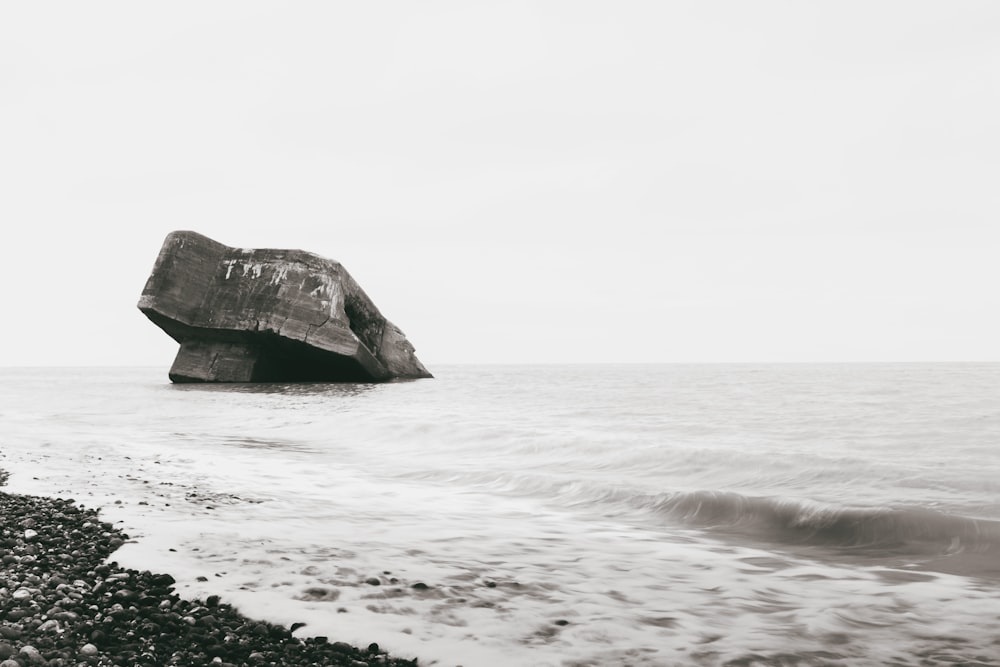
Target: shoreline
(62, 604)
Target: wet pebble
(31, 654)
(50, 625)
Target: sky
(518, 182)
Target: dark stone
(125, 595)
(162, 580)
(266, 315)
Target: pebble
(88, 650)
(162, 580)
(125, 595)
(32, 654)
(50, 625)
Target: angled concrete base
(215, 361)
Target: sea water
(555, 515)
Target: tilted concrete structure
(244, 315)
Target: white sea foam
(530, 502)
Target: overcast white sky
(518, 181)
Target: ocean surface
(555, 515)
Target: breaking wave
(891, 530)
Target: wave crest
(803, 522)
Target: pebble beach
(62, 604)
